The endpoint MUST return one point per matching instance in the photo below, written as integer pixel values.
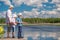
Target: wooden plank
(11, 39)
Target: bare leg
(8, 34)
(12, 32)
(8, 30)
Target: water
(38, 32)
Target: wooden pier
(11, 39)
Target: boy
(14, 16)
(19, 24)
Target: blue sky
(32, 8)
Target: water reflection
(39, 33)
(29, 38)
(41, 36)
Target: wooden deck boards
(11, 39)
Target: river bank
(56, 24)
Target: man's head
(11, 7)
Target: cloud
(47, 14)
(29, 2)
(33, 2)
(7, 2)
(42, 14)
(17, 2)
(32, 13)
(52, 12)
(56, 1)
(58, 9)
(3, 14)
(58, 5)
(35, 11)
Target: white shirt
(8, 16)
(13, 20)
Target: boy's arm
(17, 21)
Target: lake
(38, 32)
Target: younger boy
(13, 24)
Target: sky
(32, 8)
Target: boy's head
(20, 14)
(14, 16)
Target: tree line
(42, 20)
(36, 20)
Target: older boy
(19, 24)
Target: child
(19, 24)
(13, 24)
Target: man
(19, 24)
(9, 20)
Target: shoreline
(55, 24)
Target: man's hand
(16, 22)
(11, 23)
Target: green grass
(35, 20)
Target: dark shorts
(9, 29)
